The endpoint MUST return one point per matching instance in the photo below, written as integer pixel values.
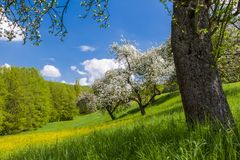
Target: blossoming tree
(86, 103)
(112, 91)
(145, 70)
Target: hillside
(161, 133)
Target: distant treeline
(27, 101)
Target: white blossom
(112, 90)
(86, 103)
(145, 70)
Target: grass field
(161, 134)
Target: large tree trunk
(200, 84)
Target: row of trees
(27, 101)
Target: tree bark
(142, 109)
(199, 81)
(111, 114)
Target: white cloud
(7, 25)
(6, 65)
(81, 72)
(84, 82)
(69, 83)
(74, 68)
(63, 82)
(86, 48)
(96, 68)
(49, 59)
(50, 71)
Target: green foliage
(85, 103)
(77, 88)
(228, 59)
(3, 93)
(98, 10)
(64, 101)
(172, 87)
(28, 102)
(25, 18)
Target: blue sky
(145, 22)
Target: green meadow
(160, 134)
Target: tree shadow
(132, 111)
(168, 112)
(157, 102)
(162, 113)
(165, 98)
(232, 91)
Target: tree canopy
(24, 18)
(145, 70)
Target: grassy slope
(161, 133)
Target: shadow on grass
(170, 111)
(165, 113)
(157, 102)
(165, 98)
(132, 111)
(162, 113)
(232, 91)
